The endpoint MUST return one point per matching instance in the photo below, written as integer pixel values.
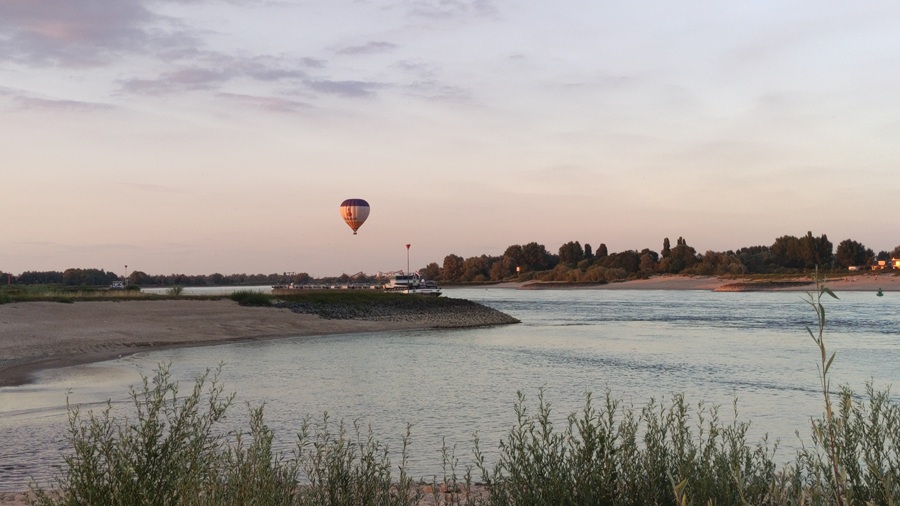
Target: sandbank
(38, 335)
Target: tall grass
(665, 452)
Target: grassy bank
(670, 452)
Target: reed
(175, 291)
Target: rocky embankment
(432, 312)
(762, 286)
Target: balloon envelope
(355, 212)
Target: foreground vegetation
(173, 452)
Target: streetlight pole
(407, 259)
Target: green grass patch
(250, 298)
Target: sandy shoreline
(887, 281)
(38, 335)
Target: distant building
(881, 265)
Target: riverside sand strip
(38, 335)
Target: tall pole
(407, 259)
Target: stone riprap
(430, 312)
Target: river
(450, 384)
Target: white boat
(412, 283)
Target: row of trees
(99, 277)
(572, 263)
(576, 263)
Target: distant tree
(628, 261)
(852, 253)
(476, 268)
(301, 278)
(535, 257)
(896, 252)
(515, 254)
(601, 251)
(571, 253)
(588, 251)
(431, 271)
(87, 277)
(649, 261)
(653, 255)
(786, 252)
(666, 249)
(714, 263)
(45, 277)
(648, 265)
(816, 251)
(140, 278)
(883, 255)
(502, 268)
(453, 268)
(681, 257)
(756, 259)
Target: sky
(202, 136)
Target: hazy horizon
(202, 136)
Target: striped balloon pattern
(355, 212)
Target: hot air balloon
(355, 212)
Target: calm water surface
(450, 384)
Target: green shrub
(617, 456)
(250, 298)
(175, 291)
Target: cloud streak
(25, 103)
(82, 33)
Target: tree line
(99, 277)
(576, 263)
(573, 262)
